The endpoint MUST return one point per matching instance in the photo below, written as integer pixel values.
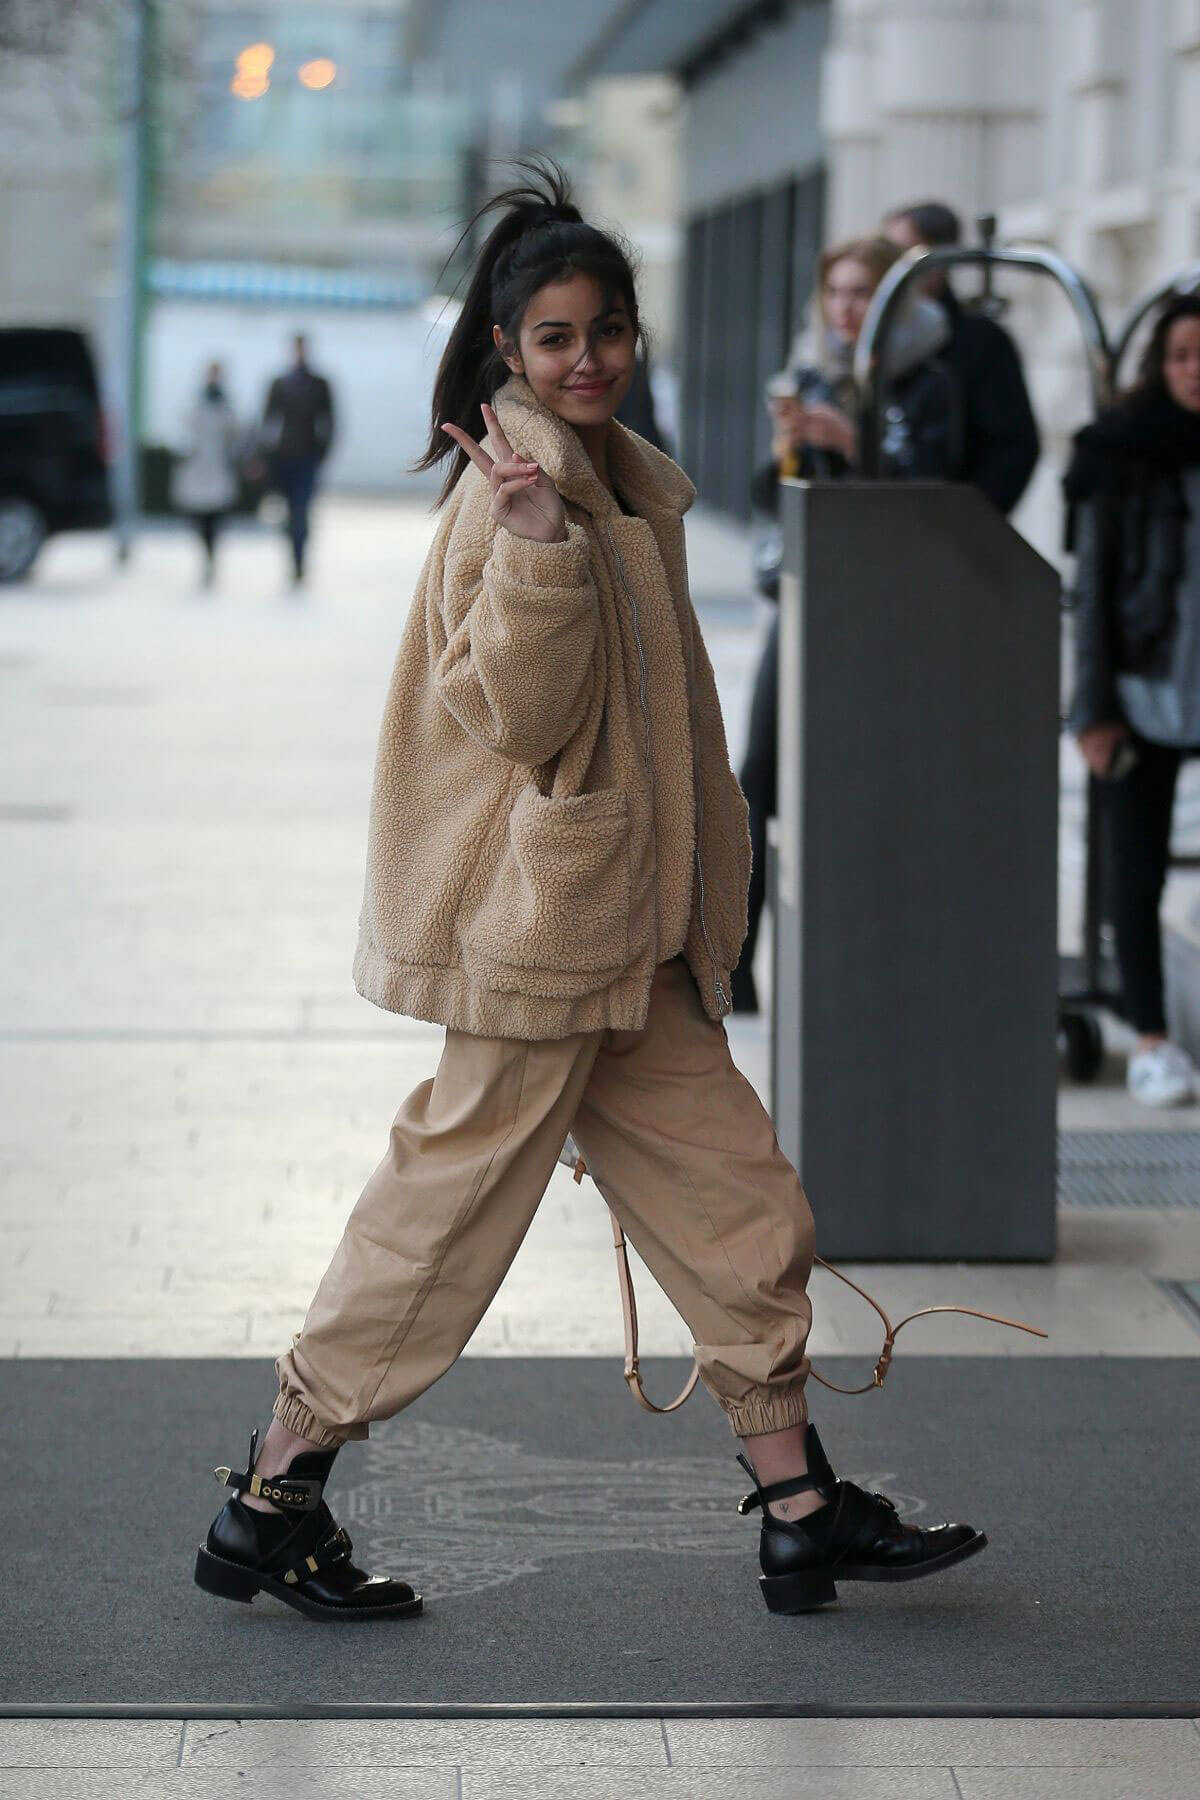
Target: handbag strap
(884, 1360)
(629, 1310)
(882, 1364)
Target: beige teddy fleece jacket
(553, 811)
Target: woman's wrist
(525, 538)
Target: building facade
(299, 133)
(1075, 122)
(54, 145)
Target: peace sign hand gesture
(524, 499)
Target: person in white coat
(205, 480)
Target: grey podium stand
(914, 1036)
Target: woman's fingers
(520, 466)
(508, 490)
(509, 475)
(476, 452)
(496, 432)
(508, 469)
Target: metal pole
(131, 269)
(885, 304)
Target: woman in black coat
(1134, 489)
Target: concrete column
(922, 98)
(1185, 42)
(1101, 58)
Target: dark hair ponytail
(540, 237)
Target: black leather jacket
(1129, 549)
(1000, 445)
(923, 432)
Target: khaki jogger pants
(679, 1145)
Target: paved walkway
(192, 1095)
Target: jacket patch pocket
(557, 907)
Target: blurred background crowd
(235, 171)
(227, 267)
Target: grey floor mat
(1129, 1169)
(575, 1550)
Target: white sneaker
(1161, 1076)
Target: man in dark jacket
(999, 435)
(296, 434)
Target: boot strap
(778, 1490)
(295, 1493)
(334, 1549)
(823, 1480)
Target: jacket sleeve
(521, 624)
(1002, 443)
(1096, 542)
(272, 420)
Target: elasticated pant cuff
(756, 1417)
(292, 1413)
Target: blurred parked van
(53, 460)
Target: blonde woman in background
(815, 438)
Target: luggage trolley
(1090, 980)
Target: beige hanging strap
(629, 1308)
(883, 1364)
(889, 1343)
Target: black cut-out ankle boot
(300, 1554)
(855, 1536)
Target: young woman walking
(557, 870)
(1135, 482)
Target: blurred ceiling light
(255, 59)
(252, 68)
(319, 73)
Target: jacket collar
(649, 481)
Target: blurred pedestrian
(813, 401)
(297, 431)
(815, 438)
(999, 443)
(639, 409)
(204, 482)
(557, 874)
(1134, 488)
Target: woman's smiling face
(575, 348)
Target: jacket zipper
(723, 1002)
(722, 999)
(637, 638)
